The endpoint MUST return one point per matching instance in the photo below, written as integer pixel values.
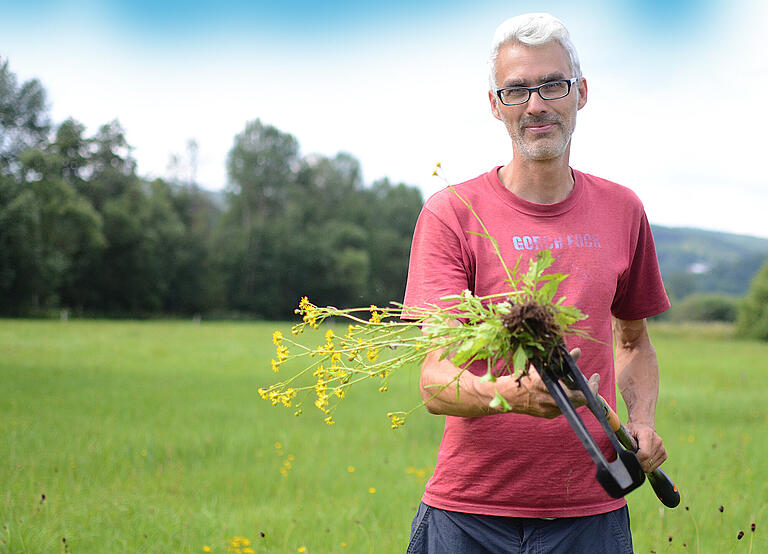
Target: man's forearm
(637, 371)
(439, 384)
(527, 395)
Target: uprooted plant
(509, 330)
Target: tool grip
(665, 489)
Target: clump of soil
(537, 321)
(532, 318)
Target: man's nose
(536, 104)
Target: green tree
(134, 273)
(753, 315)
(46, 227)
(392, 214)
(261, 170)
(197, 284)
(24, 120)
(20, 274)
(68, 227)
(251, 238)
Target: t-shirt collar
(531, 208)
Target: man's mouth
(540, 127)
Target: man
(521, 481)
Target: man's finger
(576, 354)
(594, 383)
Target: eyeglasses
(512, 96)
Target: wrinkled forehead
(520, 64)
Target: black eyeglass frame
(572, 81)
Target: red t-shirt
(513, 464)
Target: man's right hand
(528, 396)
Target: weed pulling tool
(625, 473)
(662, 485)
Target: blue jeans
(436, 531)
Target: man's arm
(529, 396)
(637, 376)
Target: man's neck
(540, 182)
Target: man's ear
(494, 105)
(582, 92)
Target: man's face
(540, 129)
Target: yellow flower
(249, 551)
(291, 457)
(372, 354)
(396, 420)
(329, 420)
(283, 472)
(372, 490)
(310, 312)
(329, 335)
(206, 549)
(275, 367)
(375, 316)
(282, 353)
(278, 446)
(343, 545)
(351, 469)
(277, 336)
(301, 549)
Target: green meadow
(150, 437)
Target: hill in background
(699, 261)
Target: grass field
(150, 437)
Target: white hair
(532, 29)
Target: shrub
(753, 315)
(707, 307)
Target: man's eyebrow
(518, 82)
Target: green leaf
(499, 400)
(568, 315)
(488, 377)
(537, 266)
(470, 348)
(546, 292)
(520, 361)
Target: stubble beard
(543, 147)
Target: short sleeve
(438, 264)
(640, 292)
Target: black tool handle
(665, 489)
(618, 477)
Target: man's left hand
(651, 452)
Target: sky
(675, 109)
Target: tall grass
(150, 437)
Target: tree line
(81, 230)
